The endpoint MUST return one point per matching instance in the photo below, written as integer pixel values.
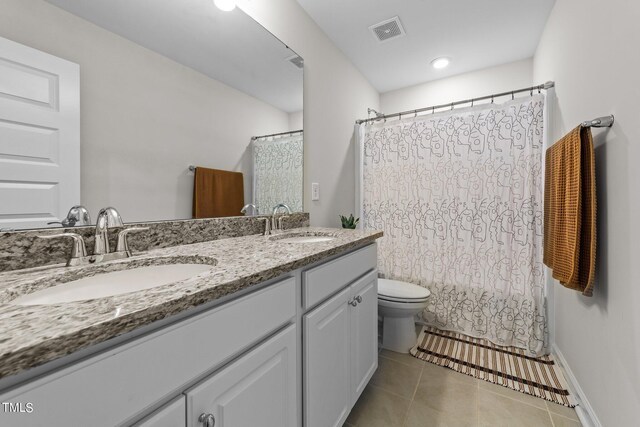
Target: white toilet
(398, 303)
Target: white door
(327, 391)
(259, 389)
(364, 333)
(39, 136)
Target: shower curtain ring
(531, 92)
(538, 90)
(433, 110)
(492, 99)
(452, 106)
(415, 113)
(513, 96)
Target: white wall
(502, 78)
(335, 95)
(296, 120)
(144, 117)
(590, 49)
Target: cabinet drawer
(173, 414)
(326, 279)
(113, 387)
(258, 389)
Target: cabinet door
(326, 363)
(258, 389)
(364, 333)
(170, 415)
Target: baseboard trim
(584, 409)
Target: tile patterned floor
(407, 392)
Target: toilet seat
(401, 292)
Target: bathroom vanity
(280, 331)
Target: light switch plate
(315, 191)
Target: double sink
(117, 278)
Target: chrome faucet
(246, 207)
(276, 223)
(78, 250)
(107, 218)
(78, 215)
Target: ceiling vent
(297, 61)
(387, 30)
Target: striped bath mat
(505, 366)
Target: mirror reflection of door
(163, 85)
(39, 136)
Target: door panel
(259, 389)
(39, 136)
(326, 363)
(364, 333)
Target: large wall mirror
(129, 103)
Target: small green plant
(350, 222)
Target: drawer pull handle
(207, 419)
(355, 301)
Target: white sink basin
(113, 283)
(306, 239)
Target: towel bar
(600, 122)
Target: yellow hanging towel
(570, 210)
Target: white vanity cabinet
(340, 340)
(297, 350)
(259, 389)
(119, 385)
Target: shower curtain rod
(547, 85)
(292, 132)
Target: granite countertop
(33, 335)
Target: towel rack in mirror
(600, 122)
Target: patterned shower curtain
(459, 197)
(277, 173)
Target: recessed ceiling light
(440, 63)
(226, 5)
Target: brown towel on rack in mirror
(570, 210)
(217, 193)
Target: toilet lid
(397, 290)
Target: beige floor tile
(378, 408)
(564, 411)
(440, 373)
(446, 391)
(427, 416)
(396, 377)
(404, 358)
(559, 421)
(497, 411)
(512, 394)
